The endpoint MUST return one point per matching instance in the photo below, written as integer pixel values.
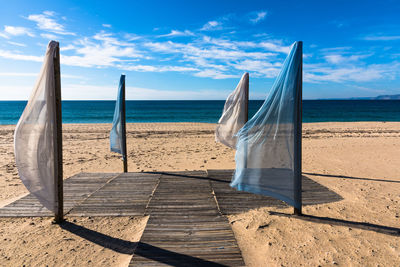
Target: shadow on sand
(138, 248)
(332, 221)
(351, 177)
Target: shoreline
(189, 122)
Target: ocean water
(207, 111)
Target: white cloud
(106, 25)
(17, 44)
(131, 37)
(259, 17)
(107, 92)
(46, 22)
(175, 33)
(323, 73)
(341, 59)
(18, 74)
(211, 25)
(151, 68)
(102, 50)
(214, 74)
(259, 68)
(220, 42)
(49, 36)
(381, 37)
(32, 74)
(275, 47)
(17, 56)
(192, 50)
(68, 47)
(16, 31)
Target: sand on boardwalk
(359, 161)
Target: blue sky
(199, 49)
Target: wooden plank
(126, 195)
(231, 201)
(80, 186)
(185, 227)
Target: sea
(208, 111)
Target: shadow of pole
(139, 249)
(169, 257)
(332, 221)
(351, 177)
(115, 244)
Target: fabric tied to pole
(265, 147)
(234, 114)
(116, 138)
(34, 136)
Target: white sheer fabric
(234, 114)
(116, 138)
(265, 147)
(33, 137)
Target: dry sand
(358, 161)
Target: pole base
(297, 211)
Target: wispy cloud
(257, 17)
(211, 25)
(18, 74)
(106, 25)
(49, 36)
(381, 37)
(16, 31)
(214, 74)
(18, 56)
(101, 50)
(323, 73)
(46, 21)
(32, 74)
(341, 59)
(152, 68)
(175, 33)
(16, 44)
(275, 47)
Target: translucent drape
(33, 137)
(234, 114)
(265, 147)
(116, 138)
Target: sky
(200, 49)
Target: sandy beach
(357, 160)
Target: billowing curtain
(234, 114)
(265, 147)
(33, 137)
(116, 138)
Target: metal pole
(57, 138)
(123, 122)
(298, 137)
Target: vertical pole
(246, 112)
(298, 137)
(123, 122)
(57, 138)
(246, 109)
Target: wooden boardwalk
(187, 224)
(125, 195)
(76, 189)
(231, 201)
(185, 227)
